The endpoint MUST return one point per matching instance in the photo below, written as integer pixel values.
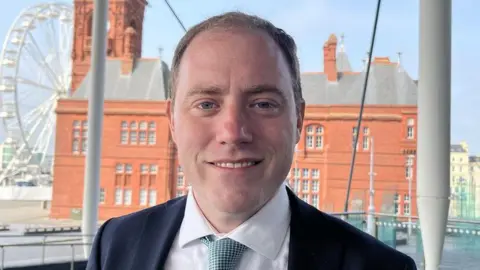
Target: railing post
(72, 262)
(2, 248)
(44, 240)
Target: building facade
(460, 183)
(139, 166)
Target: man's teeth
(235, 164)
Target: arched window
(314, 137)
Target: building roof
(148, 81)
(474, 159)
(388, 84)
(457, 148)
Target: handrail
(3, 247)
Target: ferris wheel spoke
(32, 83)
(41, 142)
(53, 37)
(43, 62)
(31, 117)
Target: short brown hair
(238, 19)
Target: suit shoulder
(135, 221)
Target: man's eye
(265, 105)
(206, 105)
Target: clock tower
(124, 41)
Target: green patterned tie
(223, 254)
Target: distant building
(474, 168)
(461, 185)
(139, 166)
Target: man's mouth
(235, 164)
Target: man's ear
(171, 118)
(300, 117)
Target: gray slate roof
(387, 84)
(457, 148)
(148, 81)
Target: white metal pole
(434, 93)
(91, 191)
(410, 206)
(371, 207)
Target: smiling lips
(235, 164)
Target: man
(236, 114)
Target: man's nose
(233, 127)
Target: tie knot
(223, 254)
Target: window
(142, 137)
(396, 203)
(143, 168)
(152, 125)
(410, 128)
(84, 146)
(124, 137)
(406, 209)
(366, 143)
(75, 146)
(366, 131)
(309, 141)
(305, 173)
(128, 168)
(152, 198)
(102, 195)
(153, 169)
(179, 193)
(143, 125)
(315, 200)
(180, 181)
(315, 186)
(305, 185)
(79, 134)
(315, 173)
(133, 137)
(127, 198)
(152, 137)
(124, 125)
(119, 168)
(179, 169)
(143, 197)
(133, 125)
(406, 198)
(118, 196)
(409, 167)
(314, 137)
(76, 124)
(305, 198)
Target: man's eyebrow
(265, 88)
(205, 91)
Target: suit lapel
(159, 232)
(311, 245)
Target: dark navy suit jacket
(142, 240)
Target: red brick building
(139, 166)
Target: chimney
(128, 60)
(330, 58)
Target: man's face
(234, 119)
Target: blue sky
(311, 21)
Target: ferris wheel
(35, 71)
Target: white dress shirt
(266, 234)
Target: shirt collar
(264, 232)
